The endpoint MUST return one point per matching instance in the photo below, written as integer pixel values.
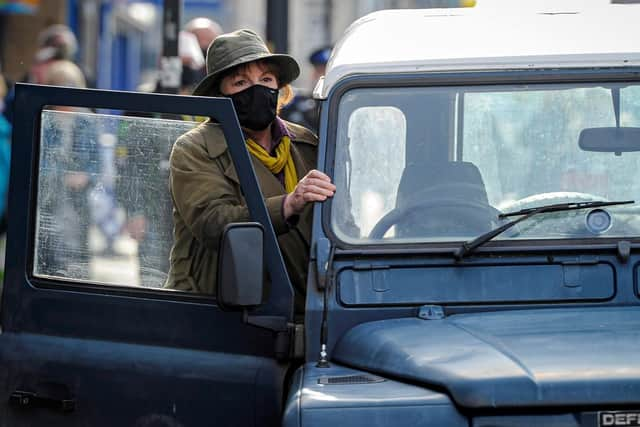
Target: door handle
(28, 400)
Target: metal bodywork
(118, 355)
(526, 333)
(511, 36)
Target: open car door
(89, 335)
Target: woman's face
(252, 74)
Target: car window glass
(373, 165)
(104, 212)
(630, 106)
(511, 136)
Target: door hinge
(289, 338)
(298, 341)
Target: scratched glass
(103, 203)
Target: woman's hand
(314, 187)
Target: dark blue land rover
(478, 265)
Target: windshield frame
(329, 133)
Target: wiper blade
(566, 207)
(470, 246)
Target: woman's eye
(239, 83)
(267, 79)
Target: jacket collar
(265, 175)
(216, 144)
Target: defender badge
(619, 418)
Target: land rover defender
(478, 265)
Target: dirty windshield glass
(103, 204)
(440, 164)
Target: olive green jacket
(206, 196)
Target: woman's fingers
(316, 186)
(314, 197)
(325, 190)
(314, 173)
(319, 183)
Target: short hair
(64, 73)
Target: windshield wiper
(468, 247)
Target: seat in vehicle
(443, 199)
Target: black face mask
(256, 106)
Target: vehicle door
(89, 335)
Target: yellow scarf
(283, 160)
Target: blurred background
(120, 42)
(104, 209)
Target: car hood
(508, 359)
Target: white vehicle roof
(495, 35)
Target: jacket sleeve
(206, 199)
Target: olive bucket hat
(240, 47)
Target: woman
(204, 186)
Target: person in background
(69, 160)
(141, 187)
(56, 42)
(303, 109)
(203, 182)
(205, 30)
(5, 157)
(193, 65)
(318, 59)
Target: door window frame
(44, 305)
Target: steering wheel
(466, 211)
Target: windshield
(425, 164)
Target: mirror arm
(278, 324)
(273, 323)
(615, 96)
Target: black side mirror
(241, 266)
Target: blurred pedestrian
(205, 30)
(303, 109)
(68, 164)
(5, 157)
(193, 66)
(318, 59)
(142, 184)
(56, 42)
